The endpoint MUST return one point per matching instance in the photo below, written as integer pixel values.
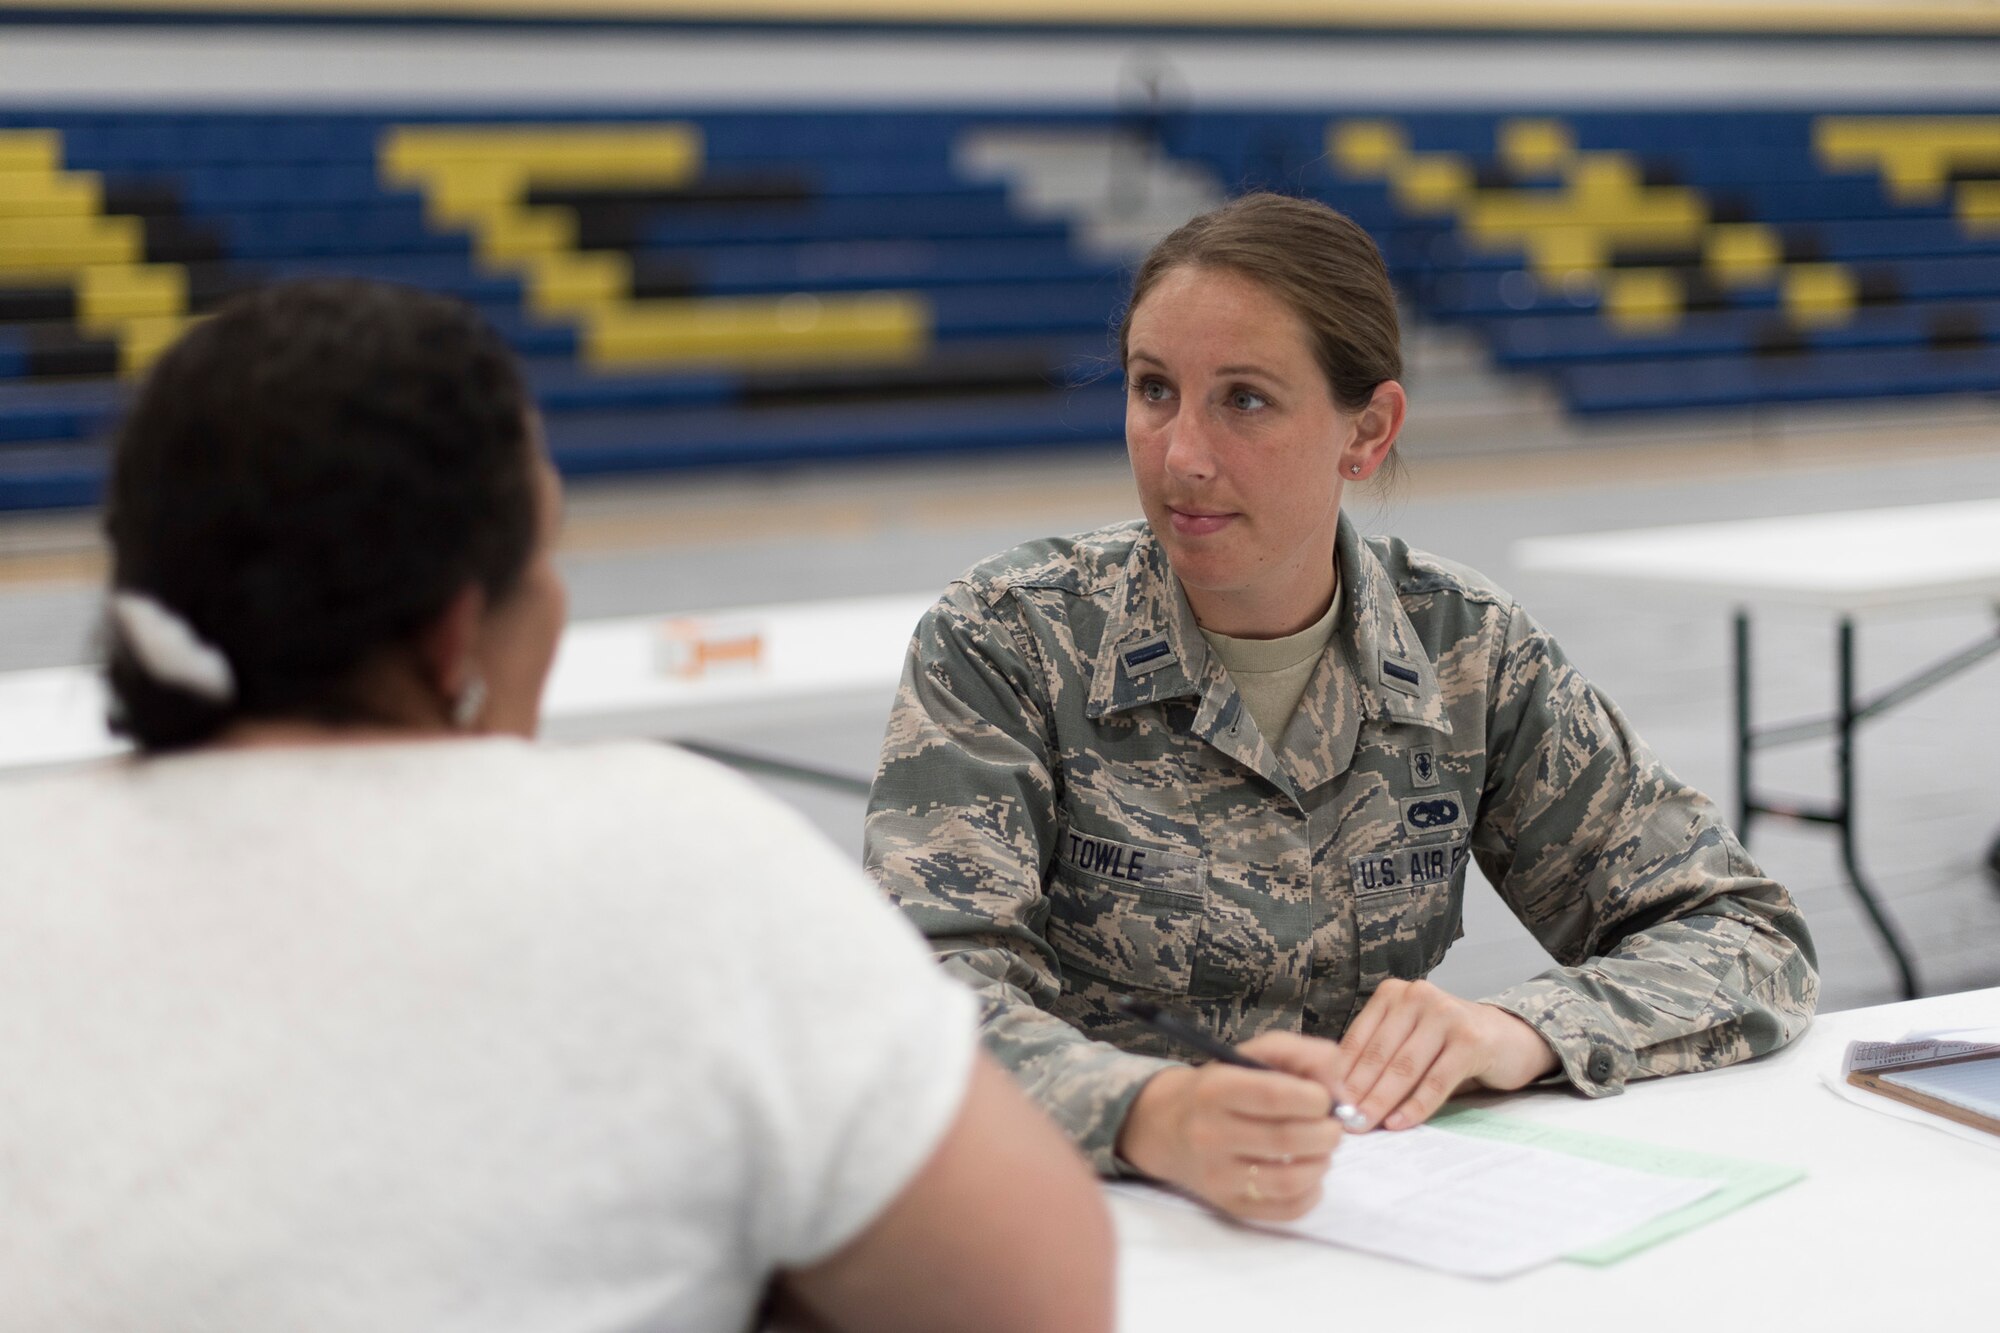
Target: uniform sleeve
(961, 823)
(1678, 953)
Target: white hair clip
(169, 649)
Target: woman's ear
(1375, 429)
(447, 652)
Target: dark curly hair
(306, 479)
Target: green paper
(1741, 1181)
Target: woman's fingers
(1263, 1140)
(1313, 1058)
(1417, 1046)
(1265, 1190)
(1433, 1090)
(1264, 1094)
(1268, 1208)
(1375, 1044)
(1276, 1140)
(1404, 1066)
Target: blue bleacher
(1928, 283)
(1739, 382)
(860, 200)
(608, 442)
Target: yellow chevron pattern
(478, 178)
(1916, 156)
(53, 231)
(1598, 204)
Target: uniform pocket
(1126, 915)
(1408, 908)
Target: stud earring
(1355, 469)
(465, 709)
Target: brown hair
(1315, 260)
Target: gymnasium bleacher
(1658, 261)
(725, 289)
(756, 287)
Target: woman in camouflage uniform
(1234, 758)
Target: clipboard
(1961, 1088)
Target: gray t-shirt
(1272, 674)
(448, 1035)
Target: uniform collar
(1153, 651)
(1398, 679)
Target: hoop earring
(471, 700)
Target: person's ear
(447, 652)
(1375, 429)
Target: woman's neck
(1245, 614)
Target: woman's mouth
(1197, 523)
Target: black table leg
(1743, 799)
(1840, 813)
(1844, 757)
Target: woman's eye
(1243, 400)
(1152, 390)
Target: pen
(1170, 1024)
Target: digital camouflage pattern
(1074, 805)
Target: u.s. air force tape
(1405, 868)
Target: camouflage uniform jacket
(1073, 804)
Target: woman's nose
(1188, 452)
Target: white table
(1868, 560)
(655, 676)
(1892, 1218)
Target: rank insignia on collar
(1400, 675)
(1151, 655)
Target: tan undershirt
(1271, 674)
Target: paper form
(1742, 1180)
(1478, 1206)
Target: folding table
(1849, 563)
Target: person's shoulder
(663, 827)
(33, 803)
(1081, 564)
(1419, 575)
(604, 798)
(661, 776)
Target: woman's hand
(1414, 1045)
(1255, 1144)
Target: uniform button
(1599, 1067)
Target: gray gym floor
(1929, 773)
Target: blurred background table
(1866, 561)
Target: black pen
(1169, 1024)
